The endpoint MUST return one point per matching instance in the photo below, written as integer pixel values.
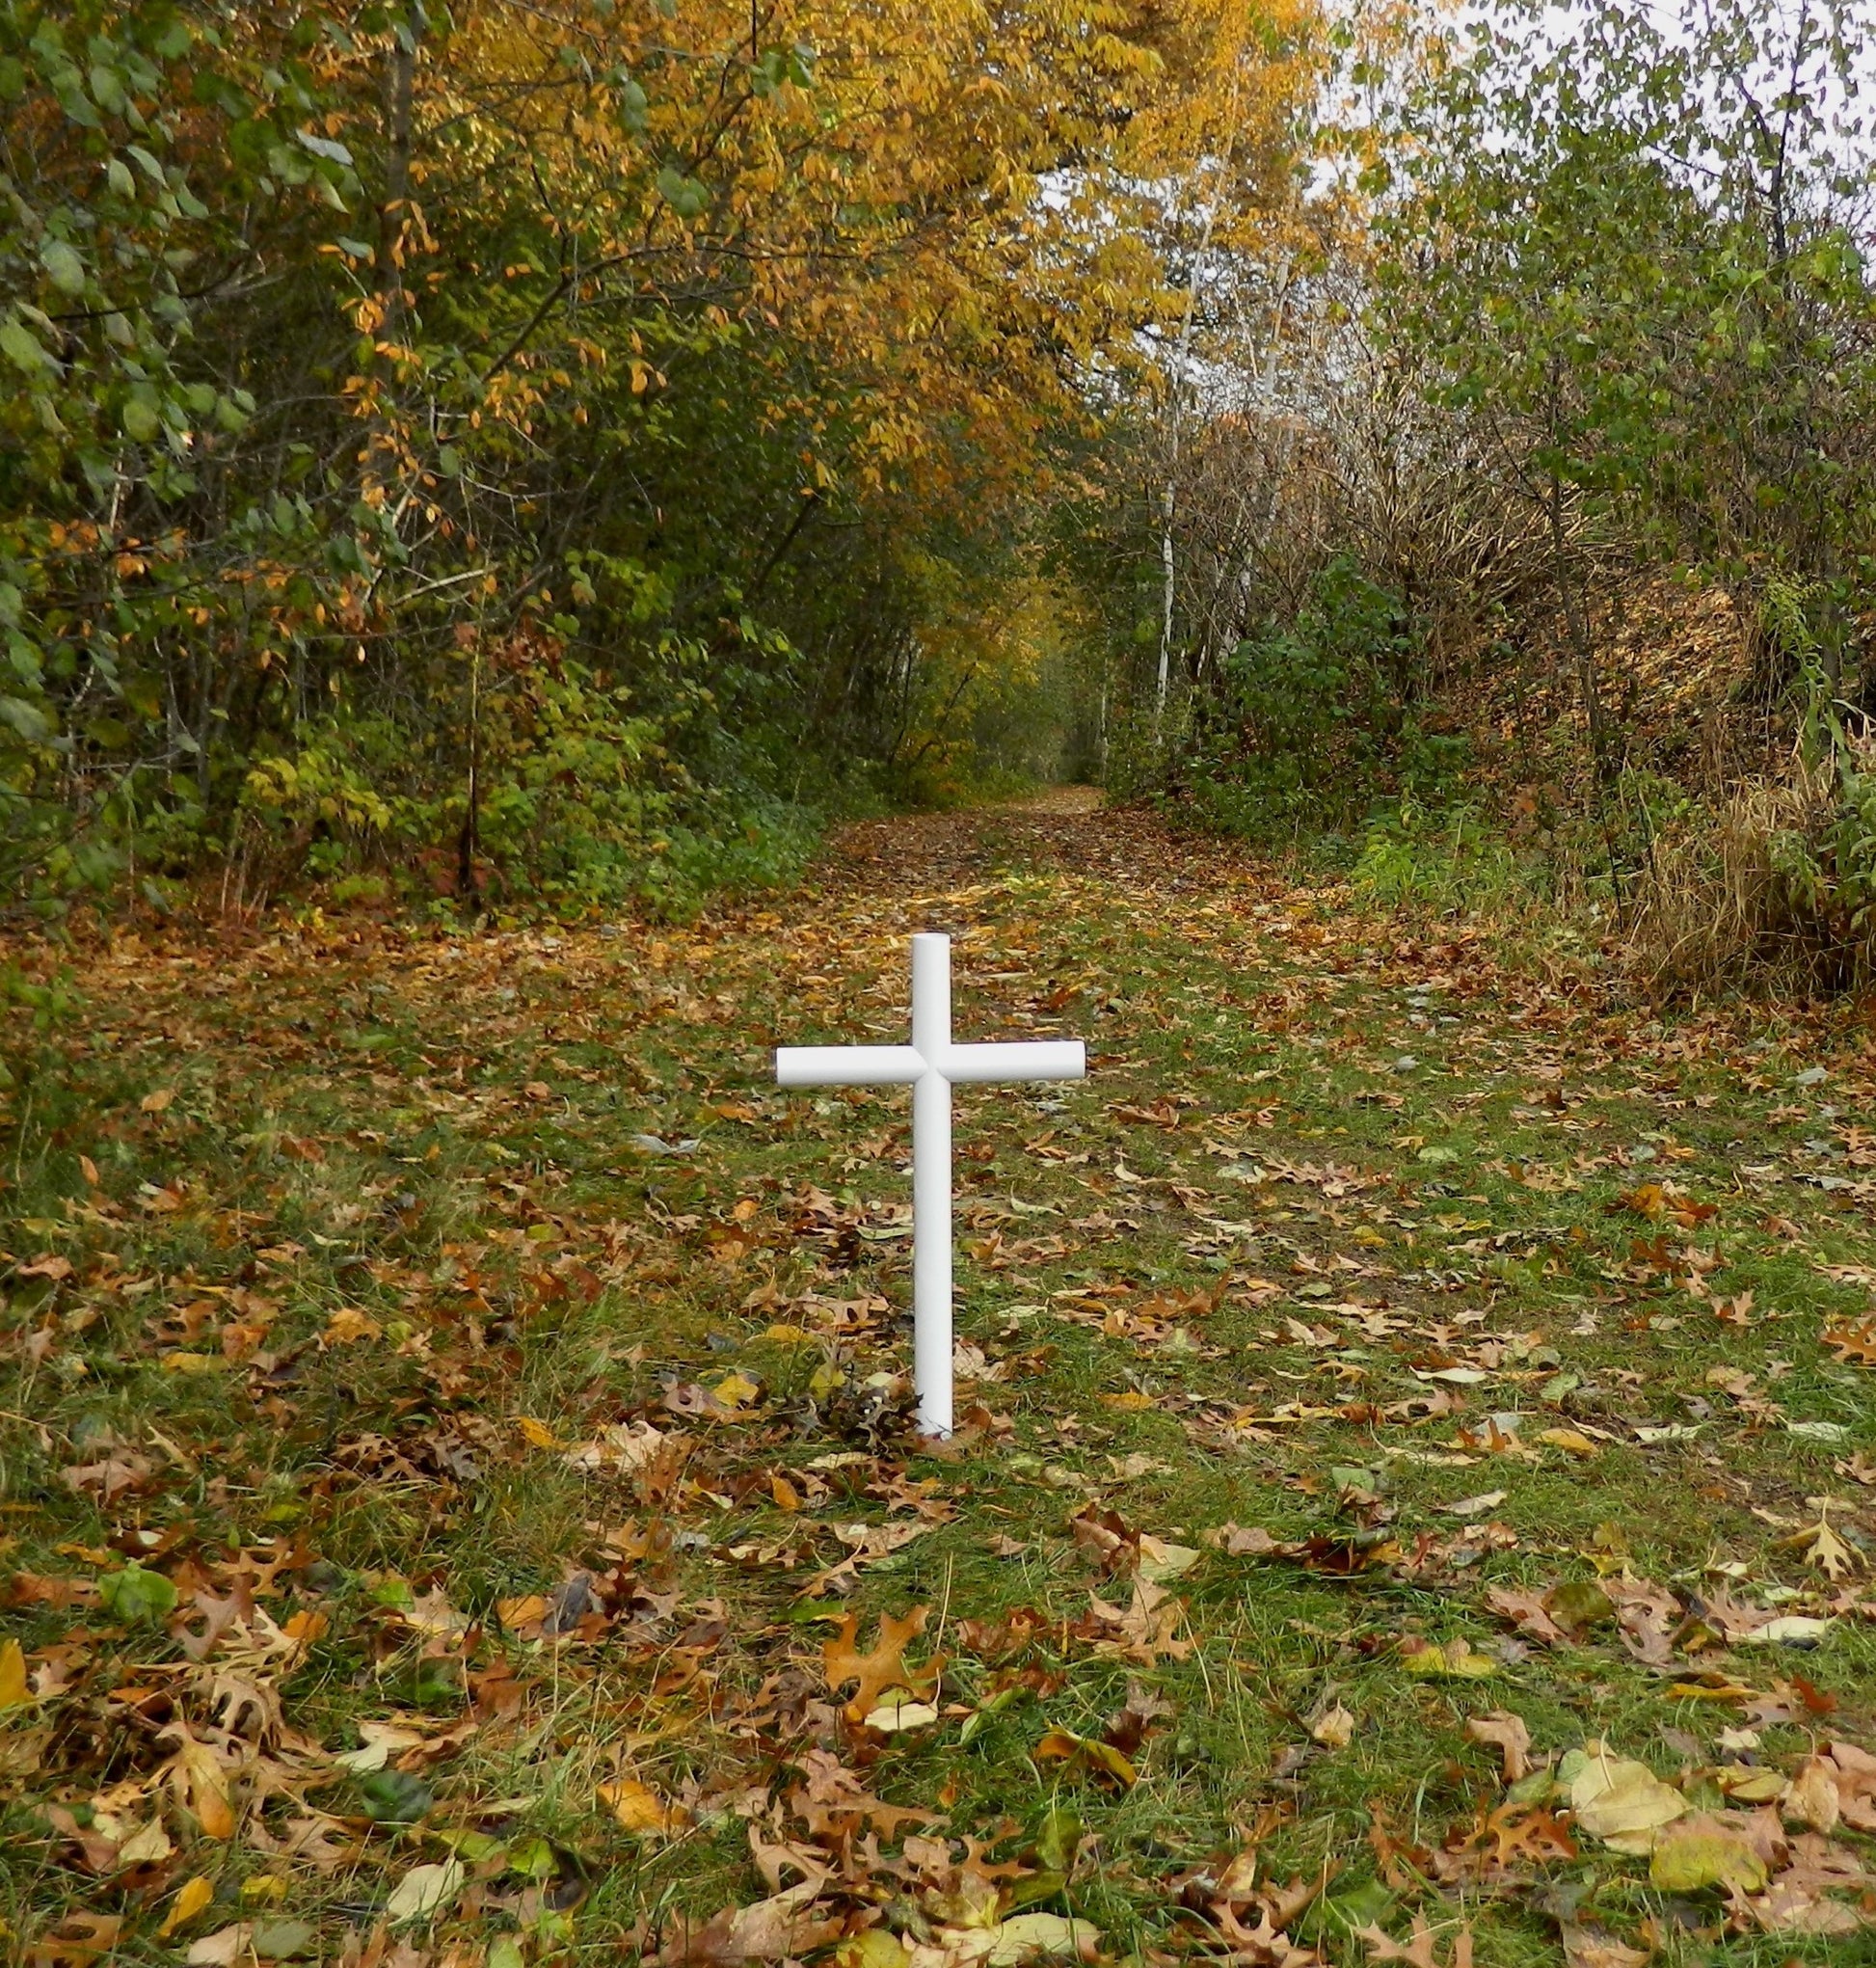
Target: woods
(1596, 370)
(551, 458)
(547, 444)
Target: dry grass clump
(1750, 888)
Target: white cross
(931, 1065)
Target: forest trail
(1417, 1451)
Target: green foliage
(1315, 718)
(1645, 294)
(1450, 858)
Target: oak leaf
(884, 1666)
(1419, 1952)
(785, 1927)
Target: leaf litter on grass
(446, 1529)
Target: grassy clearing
(504, 1385)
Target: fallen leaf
(779, 1929)
(639, 1808)
(1420, 1950)
(1572, 1440)
(1621, 1802)
(1818, 1545)
(1454, 1661)
(1789, 1630)
(1064, 1746)
(75, 1941)
(1703, 1853)
(424, 1891)
(190, 1899)
(1334, 1730)
(13, 1674)
(222, 1949)
(1507, 1734)
(1590, 1947)
(1028, 1935)
(348, 1326)
(1476, 1506)
(884, 1667)
(1811, 1798)
(898, 1713)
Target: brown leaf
(1509, 1736)
(781, 1927)
(118, 1475)
(834, 1805)
(1264, 1946)
(1419, 1952)
(1527, 1612)
(76, 1941)
(1853, 1772)
(1811, 1798)
(884, 1667)
(1590, 1947)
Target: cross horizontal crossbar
(899, 1065)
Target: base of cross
(931, 1065)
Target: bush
(1317, 717)
(1443, 859)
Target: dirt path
(1067, 832)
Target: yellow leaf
(1822, 1546)
(877, 1948)
(13, 1674)
(1064, 1746)
(736, 1391)
(639, 1808)
(191, 1897)
(537, 1432)
(1622, 1803)
(1571, 1440)
(199, 1774)
(348, 1325)
(1454, 1661)
(1028, 1935)
(156, 1102)
(1703, 1853)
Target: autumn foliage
(420, 414)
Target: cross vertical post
(931, 1065)
(931, 1184)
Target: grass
(381, 1268)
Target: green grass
(438, 1135)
